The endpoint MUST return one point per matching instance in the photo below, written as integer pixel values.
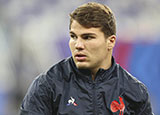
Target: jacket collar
(86, 74)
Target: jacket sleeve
(146, 109)
(37, 100)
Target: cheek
(71, 45)
(99, 50)
(95, 47)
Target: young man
(90, 82)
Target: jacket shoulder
(56, 74)
(133, 87)
(60, 70)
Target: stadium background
(34, 36)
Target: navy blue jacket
(66, 90)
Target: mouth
(80, 57)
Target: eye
(73, 36)
(88, 37)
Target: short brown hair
(95, 15)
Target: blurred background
(34, 35)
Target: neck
(106, 66)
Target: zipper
(94, 99)
(94, 86)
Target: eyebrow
(85, 34)
(72, 32)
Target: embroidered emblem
(71, 101)
(115, 106)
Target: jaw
(81, 65)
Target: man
(90, 82)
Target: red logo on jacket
(115, 106)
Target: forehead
(79, 29)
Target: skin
(90, 48)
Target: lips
(80, 57)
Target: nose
(79, 44)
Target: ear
(111, 40)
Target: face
(89, 47)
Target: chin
(80, 65)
